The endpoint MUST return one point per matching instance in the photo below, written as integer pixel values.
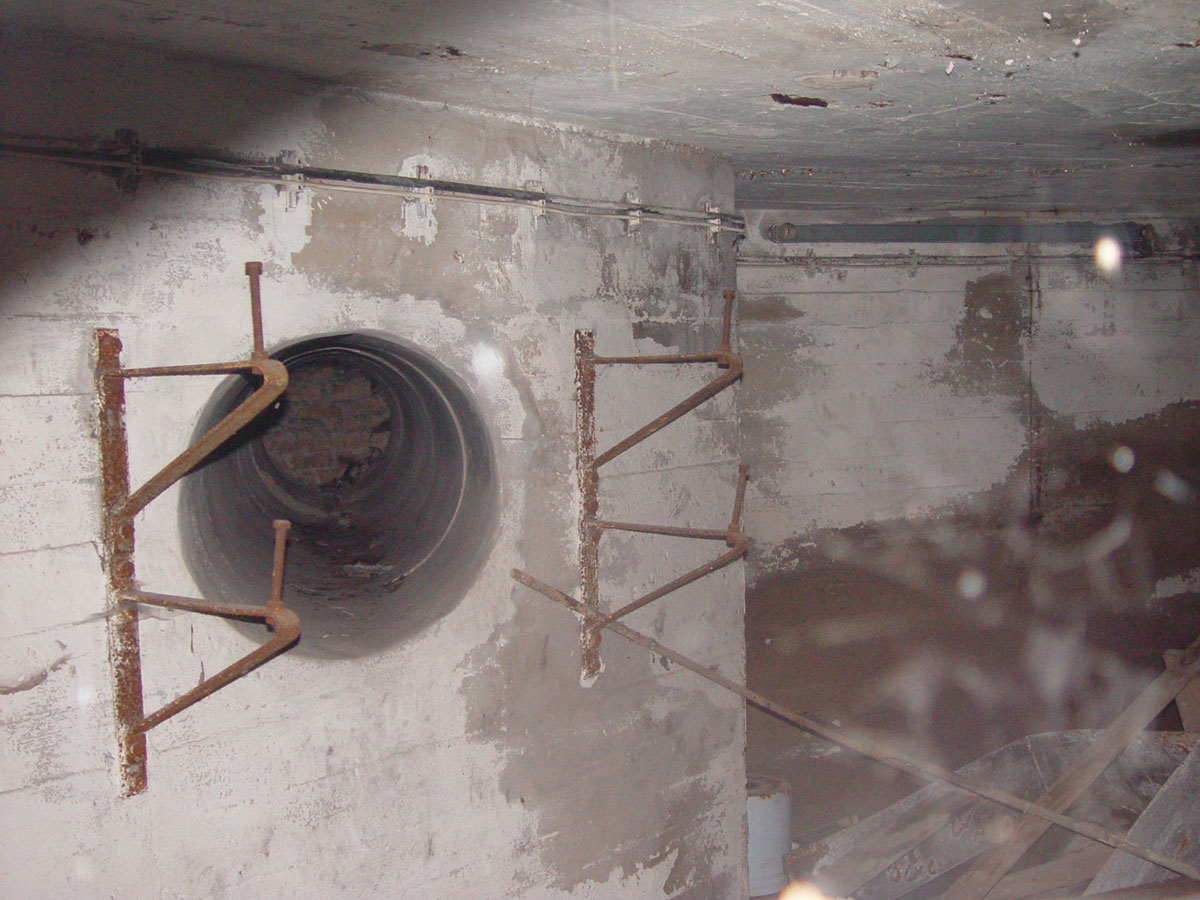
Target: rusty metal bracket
(588, 464)
(732, 535)
(120, 506)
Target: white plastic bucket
(769, 832)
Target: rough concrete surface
(843, 108)
(977, 514)
(467, 761)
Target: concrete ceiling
(841, 108)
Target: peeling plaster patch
(778, 375)
(418, 222)
(768, 308)
(665, 334)
(422, 165)
(1111, 350)
(285, 219)
(348, 251)
(840, 79)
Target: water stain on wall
(565, 745)
(1002, 615)
(768, 308)
(348, 250)
(988, 355)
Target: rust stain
(797, 100)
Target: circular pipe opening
(383, 465)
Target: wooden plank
(1188, 701)
(1027, 767)
(1068, 872)
(1170, 824)
(886, 841)
(858, 741)
(985, 872)
(887, 836)
(1175, 889)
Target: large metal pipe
(380, 459)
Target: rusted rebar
(727, 323)
(253, 271)
(677, 411)
(119, 508)
(661, 359)
(282, 527)
(732, 536)
(124, 648)
(712, 534)
(735, 521)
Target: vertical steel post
(589, 490)
(124, 648)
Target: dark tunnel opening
(384, 466)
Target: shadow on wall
(50, 91)
(1042, 604)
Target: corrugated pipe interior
(381, 461)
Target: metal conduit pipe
(127, 157)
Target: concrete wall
(948, 546)
(468, 761)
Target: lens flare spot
(1122, 459)
(802, 890)
(486, 362)
(84, 867)
(85, 694)
(972, 584)
(1108, 254)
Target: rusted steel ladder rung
(668, 358)
(281, 620)
(732, 535)
(678, 411)
(588, 464)
(711, 534)
(120, 507)
(724, 357)
(274, 382)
